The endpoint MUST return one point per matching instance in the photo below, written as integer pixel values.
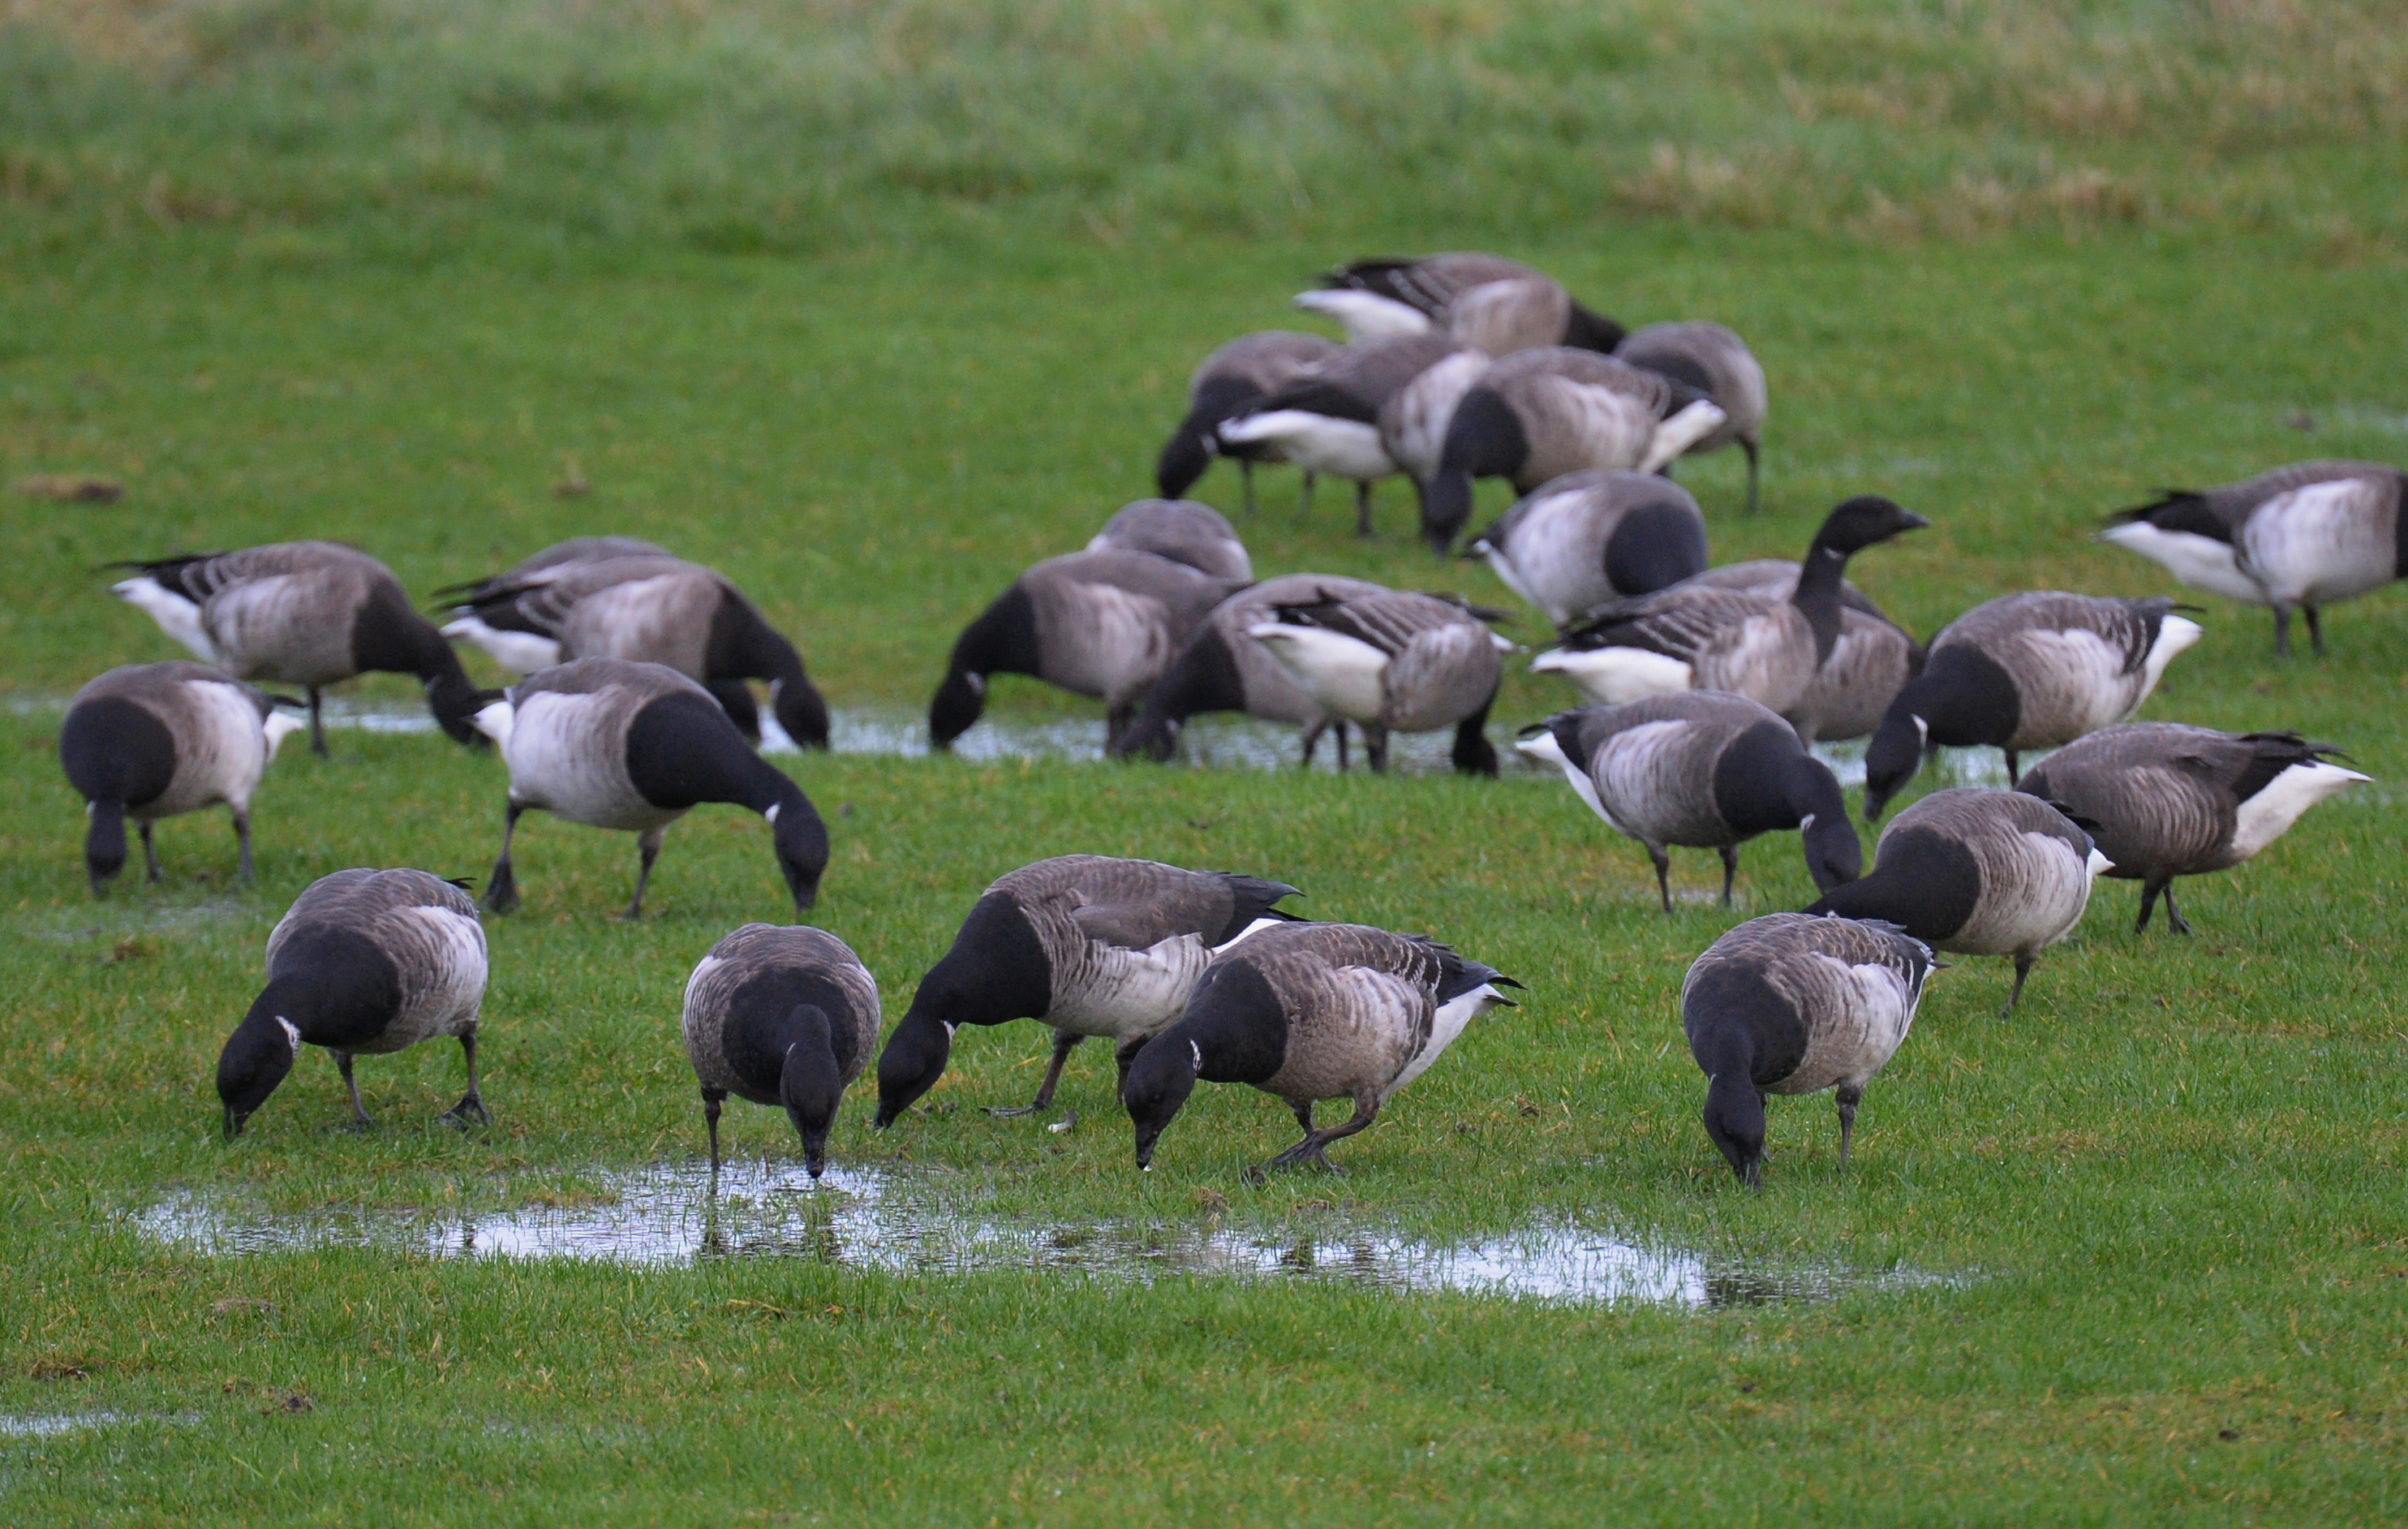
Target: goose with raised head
(646, 608)
(1499, 304)
(1230, 381)
(365, 962)
(2031, 671)
(1790, 1004)
(153, 741)
(1182, 530)
(1700, 635)
(1718, 364)
(1705, 770)
(1099, 624)
(1536, 416)
(1221, 669)
(310, 614)
(784, 1016)
(2167, 801)
(1986, 872)
(2299, 537)
(1326, 419)
(617, 744)
(1309, 1011)
(1590, 538)
(1085, 943)
(1391, 661)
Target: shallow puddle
(670, 1215)
(50, 1424)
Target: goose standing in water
(645, 608)
(2305, 536)
(303, 613)
(1086, 943)
(1100, 624)
(2030, 670)
(1718, 364)
(1182, 530)
(1309, 1011)
(1590, 538)
(630, 746)
(1701, 768)
(1791, 1004)
(1391, 661)
(1986, 872)
(1327, 420)
(782, 1015)
(365, 962)
(1230, 381)
(1499, 304)
(153, 741)
(2170, 800)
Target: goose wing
(1683, 622)
(199, 575)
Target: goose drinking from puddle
(1498, 305)
(1309, 1011)
(153, 741)
(1590, 538)
(365, 962)
(1227, 383)
(782, 1015)
(1086, 943)
(1392, 661)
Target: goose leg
(2173, 915)
(1343, 764)
(1363, 507)
(1314, 1149)
(317, 727)
(1116, 721)
(2024, 962)
(502, 886)
(648, 849)
(471, 1108)
(2149, 890)
(1246, 471)
(711, 1099)
(1663, 874)
(150, 871)
(1375, 748)
(1749, 446)
(360, 1121)
(1313, 739)
(1730, 870)
(1064, 1042)
(242, 869)
(2316, 629)
(1849, 1094)
(2282, 631)
(2015, 764)
(1304, 507)
(1125, 1058)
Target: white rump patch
(2174, 634)
(495, 721)
(1681, 432)
(2267, 815)
(2099, 865)
(1365, 315)
(178, 617)
(1343, 675)
(1343, 448)
(521, 653)
(1448, 1022)
(1255, 928)
(1544, 746)
(1615, 676)
(2201, 562)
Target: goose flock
(1707, 689)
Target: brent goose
(1310, 1012)
(1701, 768)
(1986, 872)
(1100, 624)
(1086, 943)
(2030, 670)
(1868, 665)
(780, 1016)
(1538, 414)
(1389, 661)
(1792, 1005)
(2307, 535)
(2169, 800)
(647, 608)
(1718, 364)
(1223, 669)
(1327, 418)
(1589, 538)
(307, 614)
(1701, 635)
(363, 963)
(153, 741)
(1499, 304)
(1229, 380)
(1182, 530)
(617, 744)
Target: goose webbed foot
(1064, 1044)
(1068, 1123)
(470, 1111)
(2173, 915)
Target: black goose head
(997, 971)
(1002, 641)
(810, 1084)
(334, 986)
(1483, 440)
(1156, 1088)
(1235, 1030)
(1864, 521)
(801, 838)
(116, 754)
(1734, 1118)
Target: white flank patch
(1343, 675)
(178, 617)
(2201, 562)
(2174, 634)
(2321, 542)
(2267, 815)
(497, 722)
(1343, 448)
(1681, 432)
(521, 653)
(1365, 315)
(1446, 1024)
(1615, 676)
(1545, 746)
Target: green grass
(2169, 1185)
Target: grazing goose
(1868, 665)
(2030, 670)
(780, 1016)
(2307, 535)
(1701, 635)
(1791, 1004)
(1182, 530)
(1391, 661)
(1310, 1012)
(1718, 364)
(153, 741)
(1538, 414)
(647, 608)
(1501, 306)
(307, 614)
(617, 744)
(363, 963)
(1087, 943)
(1986, 872)
(1589, 538)
(1328, 419)
(1101, 624)
(1230, 381)
(1223, 669)
(1705, 770)
(2170, 800)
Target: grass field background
(871, 307)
